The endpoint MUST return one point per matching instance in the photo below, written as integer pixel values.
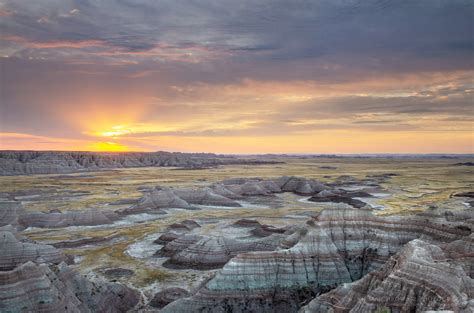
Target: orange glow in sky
(107, 147)
(254, 117)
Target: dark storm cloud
(269, 30)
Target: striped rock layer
(50, 162)
(14, 252)
(418, 278)
(336, 247)
(12, 213)
(9, 213)
(228, 191)
(65, 219)
(34, 287)
(214, 252)
(223, 194)
(35, 278)
(180, 198)
(175, 231)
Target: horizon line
(256, 154)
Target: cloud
(235, 68)
(278, 31)
(52, 44)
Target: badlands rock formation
(259, 230)
(420, 277)
(34, 278)
(340, 260)
(194, 251)
(299, 185)
(167, 296)
(177, 245)
(181, 198)
(32, 287)
(49, 162)
(12, 213)
(340, 197)
(225, 194)
(213, 252)
(175, 231)
(263, 187)
(71, 218)
(160, 198)
(221, 189)
(336, 247)
(13, 252)
(185, 225)
(228, 192)
(9, 213)
(205, 196)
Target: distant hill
(53, 162)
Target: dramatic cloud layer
(327, 76)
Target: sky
(322, 76)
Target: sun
(118, 130)
(107, 147)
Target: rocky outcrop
(166, 238)
(179, 244)
(165, 198)
(268, 230)
(250, 188)
(14, 252)
(166, 296)
(173, 232)
(35, 278)
(463, 252)
(244, 222)
(193, 251)
(263, 187)
(184, 226)
(419, 278)
(440, 215)
(300, 185)
(55, 219)
(12, 213)
(222, 190)
(34, 287)
(469, 194)
(227, 192)
(205, 196)
(222, 194)
(214, 252)
(158, 199)
(74, 243)
(9, 213)
(335, 247)
(51, 162)
(260, 230)
(341, 197)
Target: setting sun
(118, 130)
(107, 147)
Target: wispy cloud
(242, 70)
